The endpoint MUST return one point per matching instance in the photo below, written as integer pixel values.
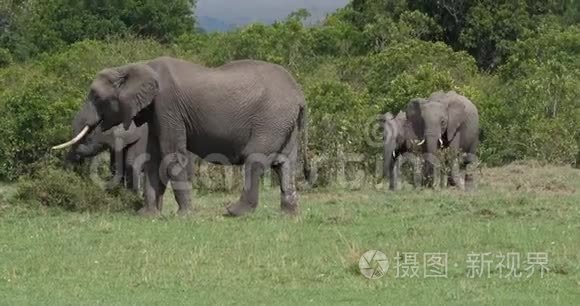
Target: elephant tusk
(421, 142)
(441, 141)
(394, 155)
(74, 140)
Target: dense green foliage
(486, 28)
(518, 60)
(66, 190)
(31, 27)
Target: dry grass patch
(532, 176)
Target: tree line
(517, 60)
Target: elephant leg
(446, 165)
(174, 164)
(153, 187)
(112, 163)
(113, 168)
(470, 163)
(428, 173)
(153, 191)
(284, 169)
(394, 172)
(130, 179)
(178, 175)
(248, 202)
(417, 163)
(455, 173)
(116, 166)
(134, 167)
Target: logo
(373, 264)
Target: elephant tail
(303, 129)
(481, 135)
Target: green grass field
(52, 257)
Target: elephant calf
(127, 147)
(398, 139)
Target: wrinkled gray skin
(243, 113)
(126, 147)
(453, 119)
(398, 139)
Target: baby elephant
(127, 152)
(398, 139)
(127, 147)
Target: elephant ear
(386, 117)
(456, 113)
(401, 116)
(404, 127)
(123, 137)
(137, 90)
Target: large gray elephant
(450, 120)
(246, 112)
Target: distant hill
(224, 15)
(210, 24)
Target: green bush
(338, 115)
(58, 188)
(416, 57)
(39, 116)
(287, 43)
(532, 112)
(408, 70)
(34, 27)
(78, 64)
(5, 58)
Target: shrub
(78, 64)
(408, 70)
(338, 117)
(39, 113)
(287, 43)
(34, 27)
(59, 188)
(533, 111)
(432, 66)
(5, 58)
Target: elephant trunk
(87, 116)
(430, 147)
(85, 121)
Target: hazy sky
(242, 11)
